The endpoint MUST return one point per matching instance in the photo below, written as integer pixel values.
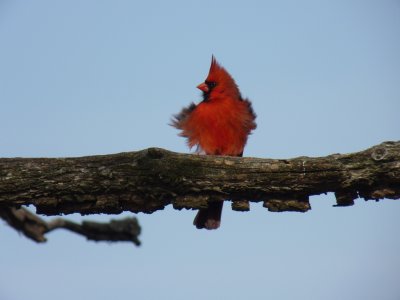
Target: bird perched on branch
(219, 125)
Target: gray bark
(148, 180)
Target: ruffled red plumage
(219, 125)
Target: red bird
(218, 125)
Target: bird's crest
(221, 77)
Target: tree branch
(35, 228)
(148, 180)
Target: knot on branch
(379, 153)
(156, 153)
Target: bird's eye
(211, 84)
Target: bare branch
(35, 228)
(148, 180)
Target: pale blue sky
(97, 77)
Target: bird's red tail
(209, 218)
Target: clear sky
(96, 77)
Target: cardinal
(219, 125)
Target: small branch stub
(241, 205)
(345, 198)
(281, 205)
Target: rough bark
(148, 180)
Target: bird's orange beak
(203, 87)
